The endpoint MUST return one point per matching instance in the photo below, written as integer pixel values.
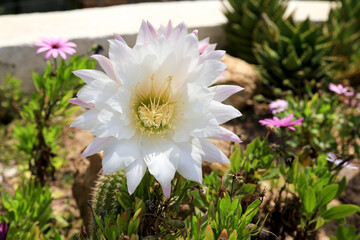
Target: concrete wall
(93, 26)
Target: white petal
(120, 154)
(108, 67)
(96, 145)
(190, 162)
(120, 100)
(113, 126)
(222, 112)
(98, 92)
(134, 174)
(161, 159)
(207, 73)
(86, 120)
(216, 55)
(227, 136)
(178, 33)
(119, 53)
(89, 75)
(222, 92)
(209, 152)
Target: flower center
(155, 114)
(153, 109)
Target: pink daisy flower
(340, 89)
(284, 122)
(278, 106)
(55, 46)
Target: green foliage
(325, 122)
(344, 26)
(45, 115)
(145, 214)
(226, 217)
(11, 99)
(29, 213)
(243, 16)
(347, 233)
(293, 56)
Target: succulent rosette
(154, 107)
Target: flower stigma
(154, 111)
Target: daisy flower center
(153, 110)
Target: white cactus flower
(153, 107)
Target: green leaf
(309, 199)
(209, 234)
(328, 193)
(339, 212)
(319, 223)
(233, 235)
(292, 62)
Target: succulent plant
(104, 195)
(292, 56)
(344, 26)
(242, 17)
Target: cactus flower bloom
(55, 46)
(284, 122)
(153, 107)
(4, 227)
(278, 106)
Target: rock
(242, 74)
(84, 182)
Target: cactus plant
(344, 26)
(242, 18)
(292, 56)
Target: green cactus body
(242, 19)
(104, 203)
(293, 56)
(104, 196)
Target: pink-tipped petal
(167, 190)
(81, 103)
(119, 38)
(168, 29)
(108, 67)
(152, 30)
(144, 36)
